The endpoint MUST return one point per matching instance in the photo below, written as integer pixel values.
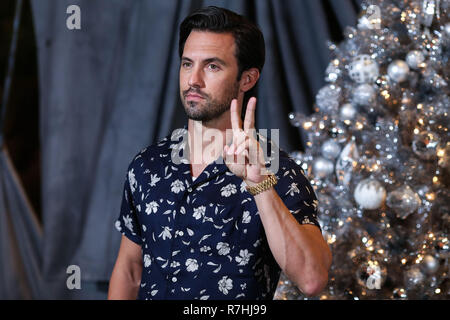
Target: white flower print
(315, 203)
(246, 218)
(165, 233)
(306, 220)
(174, 264)
(293, 189)
(177, 186)
(118, 227)
(132, 180)
(147, 260)
(243, 258)
(225, 284)
(151, 207)
(199, 212)
(191, 265)
(228, 190)
(224, 248)
(154, 179)
(243, 186)
(205, 249)
(128, 222)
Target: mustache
(196, 91)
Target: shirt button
(189, 189)
(174, 279)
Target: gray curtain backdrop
(110, 89)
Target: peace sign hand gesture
(244, 157)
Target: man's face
(208, 75)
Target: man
(202, 228)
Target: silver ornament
(415, 58)
(363, 69)
(425, 145)
(370, 194)
(413, 277)
(344, 165)
(322, 167)
(371, 18)
(404, 201)
(327, 99)
(330, 149)
(398, 71)
(430, 264)
(364, 94)
(347, 112)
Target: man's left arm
(299, 249)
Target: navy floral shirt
(203, 238)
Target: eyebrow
(208, 60)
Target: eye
(213, 67)
(186, 64)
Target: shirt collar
(178, 144)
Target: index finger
(249, 121)
(235, 119)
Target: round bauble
(322, 167)
(363, 69)
(398, 71)
(414, 59)
(370, 194)
(330, 149)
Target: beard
(209, 108)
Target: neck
(207, 139)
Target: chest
(196, 218)
(197, 169)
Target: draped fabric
(20, 238)
(110, 89)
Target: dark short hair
(250, 46)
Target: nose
(196, 78)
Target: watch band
(267, 183)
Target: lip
(193, 97)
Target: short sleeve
(128, 223)
(297, 193)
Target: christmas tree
(377, 154)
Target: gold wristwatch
(267, 183)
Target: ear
(249, 79)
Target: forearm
(124, 283)
(300, 250)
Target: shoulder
(151, 155)
(279, 160)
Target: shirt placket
(181, 221)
